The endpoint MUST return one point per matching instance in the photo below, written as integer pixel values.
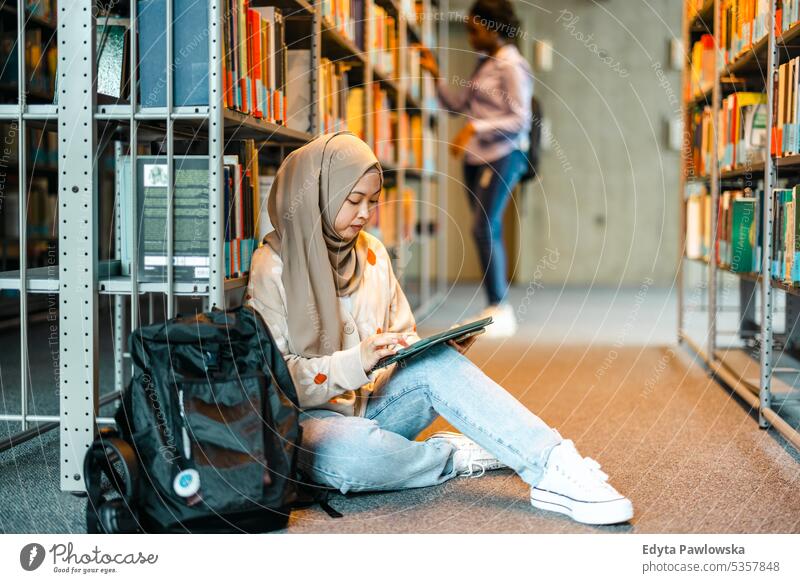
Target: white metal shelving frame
(81, 278)
(763, 60)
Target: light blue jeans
(378, 451)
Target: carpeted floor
(686, 451)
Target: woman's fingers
(386, 339)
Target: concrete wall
(607, 203)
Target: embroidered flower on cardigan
(314, 379)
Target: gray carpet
(685, 450)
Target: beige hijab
(309, 189)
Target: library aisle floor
(604, 370)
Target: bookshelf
(742, 321)
(83, 278)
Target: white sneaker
(575, 486)
(504, 321)
(469, 456)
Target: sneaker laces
(468, 455)
(589, 465)
(594, 467)
(471, 462)
(471, 472)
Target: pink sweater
(378, 304)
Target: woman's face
(359, 205)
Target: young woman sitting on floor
(327, 291)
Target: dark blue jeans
(489, 189)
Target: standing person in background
(494, 142)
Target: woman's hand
(379, 345)
(460, 140)
(428, 62)
(463, 344)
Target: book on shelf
(431, 102)
(41, 190)
(742, 129)
(113, 45)
(41, 146)
(355, 114)
(357, 10)
(253, 57)
(383, 223)
(44, 9)
(787, 14)
(191, 262)
(383, 50)
(702, 66)
(410, 200)
(254, 60)
(257, 83)
(738, 243)
(42, 149)
(698, 226)
(421, 142)
(112, 55)
(702, 132)
(721, 245)
(415, 72)
(42, 210)
(416, 157)
(346, 17)
(242, 206)
(385, 125)
(339, 105)
(41, 60)
(785, 238)
(334, 95)
(742, 24)
(787, 235)
(403, 135)
(298, 85)
(785, 132)
(190, 58)
(190, 204)
(695, 7)
(263, 222)
(743, 235)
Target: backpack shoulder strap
(309, 494)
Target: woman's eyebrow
(362, 193)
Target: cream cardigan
(338, 381)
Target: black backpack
(207, 436)
(535, 140)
